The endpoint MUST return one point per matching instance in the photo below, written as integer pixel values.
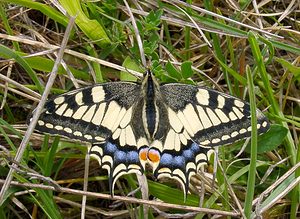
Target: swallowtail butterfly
(173, 127)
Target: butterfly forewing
(209, 117)
(88, 114)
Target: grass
(102, 46)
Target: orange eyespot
(153, 155)
(143, 154)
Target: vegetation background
(254, 54)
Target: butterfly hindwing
(117, 160)
(182, 165)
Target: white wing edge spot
(98, 94)
(234, 134)
(49, 125)
(96, 148)
(225, 137)
(88, 137)
(78, 98)
(68, 130)
(59, 100)
(202, 97)
(206, 142)
(200, 156)
(264, 124)
(40, 122)
(98, 138)
(77, 133)
(239, 103)
(215, 140)
(242, 131)
(58, 127)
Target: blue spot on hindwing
(179, 162)
(188, 154)
(195, 147)
(120, 156)
(110, 148)
(132, 157)
(166, 159)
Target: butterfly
(173, 127)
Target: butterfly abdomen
(150, 109)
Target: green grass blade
(49, 159)
(45, 201)
(7, 53)
(7, 26)
(46, 65)
(253, 159)
(45, 9)
(91, 28)
(274, 107)
(233, 73)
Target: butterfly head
(149, 83)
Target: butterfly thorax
(150, 115)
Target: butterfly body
(173, 127)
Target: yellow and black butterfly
(173, 127)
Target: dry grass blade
(37, 111)
(128, 199)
